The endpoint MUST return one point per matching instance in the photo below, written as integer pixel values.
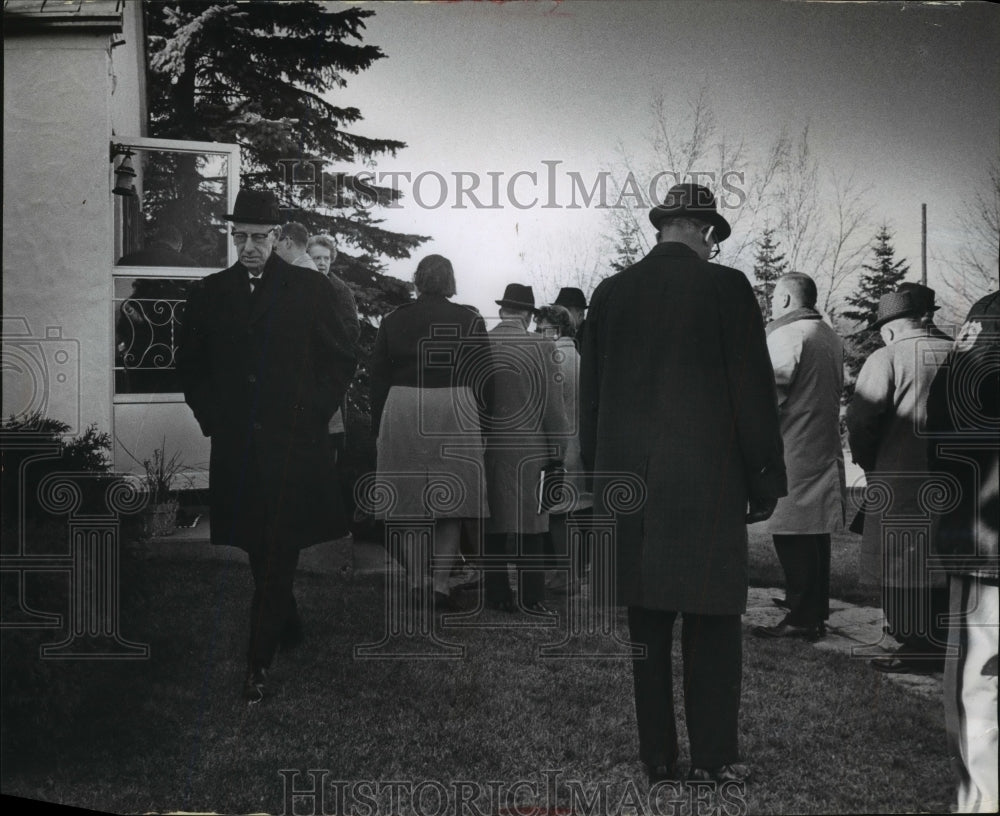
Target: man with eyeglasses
(677, 389)
(266, 354)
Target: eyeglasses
(714, 251)
(259, 238)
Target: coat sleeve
(379, 367)
(870, 407)
(590, 379)
(784, 346)
(194, 357)
(751, 389)
(336, 343)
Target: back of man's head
(800, 288)
(296, 233)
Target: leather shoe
(734, 772)
(538, 608)
(787, 630)
(502, 606)
(662, 773)
(445, 603)
(254, 685)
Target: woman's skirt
(430, 456)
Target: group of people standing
(671, 379)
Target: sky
(902, 97)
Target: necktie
(254, 283)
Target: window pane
(175, 217)
(148, 315)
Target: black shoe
(502, 606)
(254, 685)
(538, 608)
(893, 664)
(662, 773)
(734, 772)
(787, 630)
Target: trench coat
(526, 427)
(263, 376)
(808, 361)
(677, 390)
(888, 438)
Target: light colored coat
(568, 360)
(808, 361)
(885, 423)
(526, 427)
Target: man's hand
(760, 510)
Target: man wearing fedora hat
(266, 354)
(925, 297)
(525, 429)
(886, 437)
(677, 388)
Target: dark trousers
(273, 609)
(274, 556)
(805, 560)
(912, 615)
(712, 651)
(530, 567)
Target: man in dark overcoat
(677, 388)
(266, 355)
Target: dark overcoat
(677, 389)
(263, 376)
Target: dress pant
(274, 557)
(915, 617)
(805, 560)
(528, 560)
(712, 652)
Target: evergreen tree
(768, 266)
(880, 277)
(256, 74)
(626, 245)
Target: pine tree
(256, 74)
(769, 265)
(880, 277)
(626, 245)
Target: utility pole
(923, 245)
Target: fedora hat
(571, 297)
(518, 296)
(256, 207)
(895, 305)
(923, 296)
(691, 201)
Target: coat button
(252, 379)
(257, 426)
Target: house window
(171, 233)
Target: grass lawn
(823, 734)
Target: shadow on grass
(823, 734)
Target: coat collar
(803, 313)
(673, 249)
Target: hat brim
(878, 324)
(516, 304)
(722, 228)
(244, 220)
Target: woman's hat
(895, 305)
(518, 296)
(256, 207)
(571, 297)
(691, 201)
